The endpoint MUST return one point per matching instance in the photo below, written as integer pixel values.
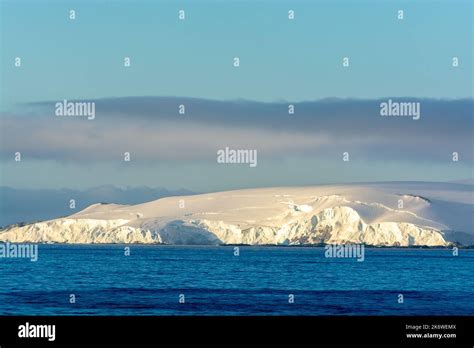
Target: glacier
(379, 214)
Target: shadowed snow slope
(391, 214)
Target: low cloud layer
(151, 129)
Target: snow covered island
(381, 214)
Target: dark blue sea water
(215, 282)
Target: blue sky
(282, 61)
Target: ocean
(211, 280)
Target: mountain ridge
(434, 214)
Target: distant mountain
(382, 214)
(25, 206)
(464, 181)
